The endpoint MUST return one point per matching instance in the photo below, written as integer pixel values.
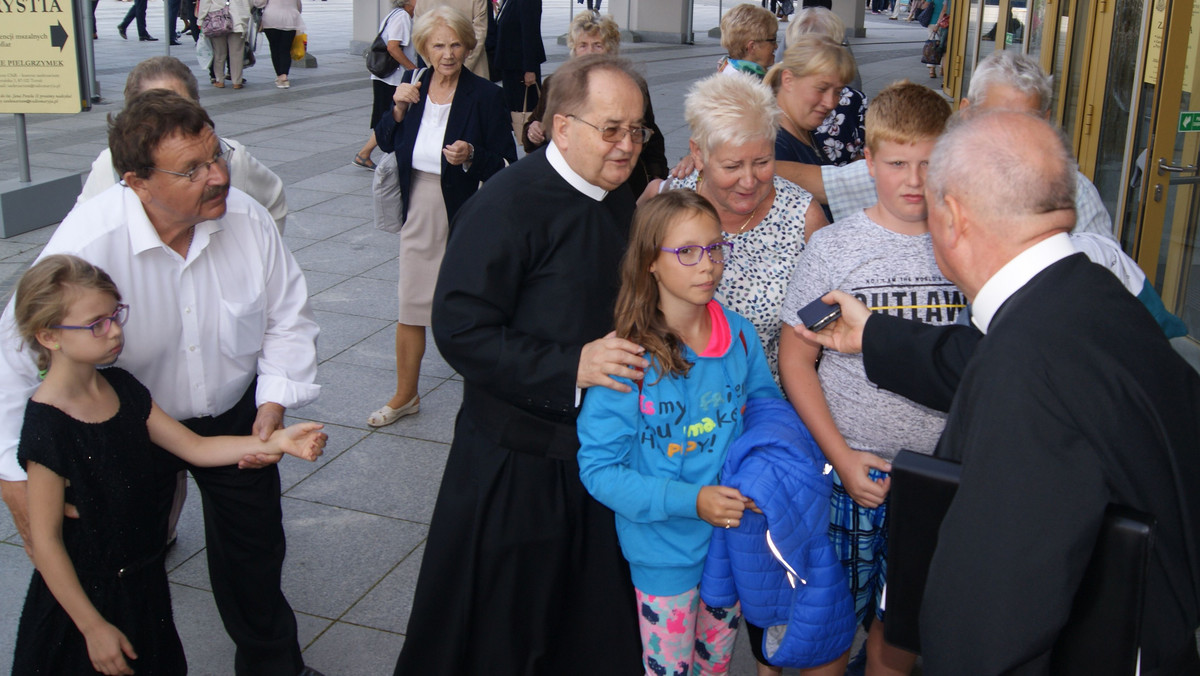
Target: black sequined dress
(122, 485)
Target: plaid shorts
(859, 536)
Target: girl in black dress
(99, 598)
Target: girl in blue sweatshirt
(654, 454)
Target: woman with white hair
(734, 122)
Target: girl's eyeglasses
(718, 252)
(100, 327)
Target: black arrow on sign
(58, 36)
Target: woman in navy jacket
(450, 131)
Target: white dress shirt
(245, 173)
(200, 329)
(1015, 274)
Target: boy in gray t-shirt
(883, 256)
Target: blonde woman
(748, 34)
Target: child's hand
(854, 472)
(303, 440)
(108, 648)
(721, 506)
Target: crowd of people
(655, 442)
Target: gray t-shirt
(894, 274)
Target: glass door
(1166, 246)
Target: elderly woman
(842, 134)
(748, 34)
(590, 33)
(450, 130)
(227, 47)
(734, 122)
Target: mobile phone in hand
(818, 314)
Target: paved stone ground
(356, 521)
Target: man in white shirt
(220, 331)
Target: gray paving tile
(318, 226)
(294, 243)
(349, 649)
(346, 205)
(318, 281)
(13, 584)
(299, 199)
(209, 650)
(387, 606)
(343, 258)
(341, 331)
(333, 181)
(360, 296)
(350, 392)
(382, 474)
(381, 348)
(294, 470)
(368, 235)
(389, 272)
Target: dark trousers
(138, 12)
(764, 4)
(280, 42)
(243, 536)
(172, 16)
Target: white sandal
(388, 415)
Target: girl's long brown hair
(637, 317)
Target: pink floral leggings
(683, 636)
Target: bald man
(1073, 399)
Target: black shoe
(147, 38)
(121, 30)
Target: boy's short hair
(906, 112)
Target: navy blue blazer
(516, 43)
(478, 116)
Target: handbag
(218, 23)
(379, 62)
(299, 46)
(520, 118)
(926, 16)
(929, 53)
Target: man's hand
(269, 419)
(13, 493)
(845, 334)
(610, 356)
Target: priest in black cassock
(1070, 398)
(522, 573)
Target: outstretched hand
(303, 440)
(845, 334)
(721, 506)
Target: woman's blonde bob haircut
(744, 23)
(590, 23)
(730, 109)
(813, 54)
(443, 16)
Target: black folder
(1103, 633)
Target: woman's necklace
(740, 230)
(448, 99)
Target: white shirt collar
(1015, 274)
(559, 163)
(143, 236)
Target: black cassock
(1072, 400)
(522, 572)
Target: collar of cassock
(559, 163)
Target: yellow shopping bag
(299, 46)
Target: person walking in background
(396, 31)
(227, 47)
(281, 21)
(518, 55)
(450, 132)
(136, 13)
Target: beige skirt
(422, 245)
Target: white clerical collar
(1015, 274)
(556, 159)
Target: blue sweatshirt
(647, 453)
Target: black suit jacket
(1074, 399)
(477, 115)
(516, 43)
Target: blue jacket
(647, 453)
(808, 616)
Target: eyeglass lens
(690, 255)
(101, 326)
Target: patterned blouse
(842, 136)
(757, 274)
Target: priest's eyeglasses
(101, 327)
(200, 171)
(689, 255)
(639, 135)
